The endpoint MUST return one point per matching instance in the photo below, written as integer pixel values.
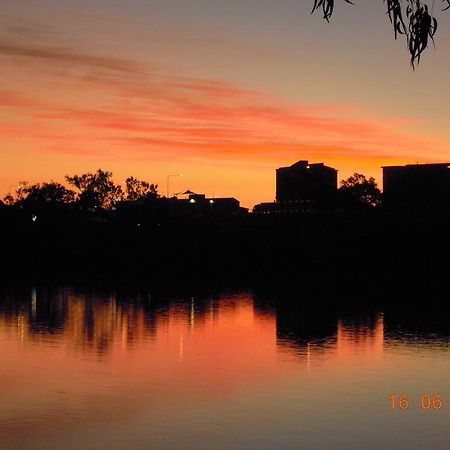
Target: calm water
(84, 371)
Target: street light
(168, 181)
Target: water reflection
(100, 324)
(71, 359)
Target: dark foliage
(97, 197)
(43, 201)
(327, 7)
(421, 28)
(46, 194)
(137, 189)
(96, 190)
(359, 191)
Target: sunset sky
(220, 91)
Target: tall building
(302, 187)
(417, 186)
(305, 182)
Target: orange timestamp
(428, 402)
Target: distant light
(192, 200)
(211, 201)
(138, 224)
(34, 218)
(308, 167)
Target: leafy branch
(410, 18)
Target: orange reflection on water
(74, 368)
(80, 346)
(217, 342)
(361, 338)
(98, 357)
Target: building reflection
(92, 323)
(100, 324)
(317, 332)
(421, 322)
(300, 323)
(362, 334)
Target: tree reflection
(97, 322)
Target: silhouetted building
(302, 187)
(161, 209)
(306, 182)
(222, 205)
(417, 187)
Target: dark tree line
(412, 19)
(82, 231)
(96, 193)
(88, 192)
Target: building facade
(302, 187)
(315, 184)
(417, 186)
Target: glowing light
(192, 314)
(33, 302)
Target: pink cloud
(102, 103)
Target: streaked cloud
(62, 55)
(124, 103)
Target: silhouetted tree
(8, 199)
(46, 193)
(97, 190)
(19, 194)
(410, 18)
(48, 200)
(137, 189)
(359, 191)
